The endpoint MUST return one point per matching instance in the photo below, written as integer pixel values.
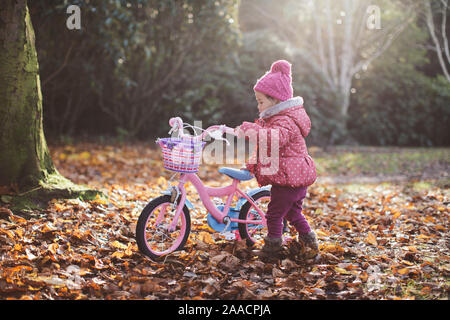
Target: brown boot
(309, 241)
(272, 248)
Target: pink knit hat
(277, 82)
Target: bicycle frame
(206, 193)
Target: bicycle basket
(181, 154)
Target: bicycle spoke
(257, 231)
(158, 237)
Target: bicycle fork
(178, 203)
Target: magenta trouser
(286, 202)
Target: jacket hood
(292, 108)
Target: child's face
(264, 102)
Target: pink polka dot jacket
(281, 156)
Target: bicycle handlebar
(177, 123)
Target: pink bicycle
(164, 224)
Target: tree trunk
(25, 160)
(24, 157)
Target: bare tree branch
(431, 29)
(357, 39)
(331, 39)
(444, 28)
(347, 49)
(320, 44)
(61, 67)
(381, 49)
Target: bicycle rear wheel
(152, 230)
(254, 233)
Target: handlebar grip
(176, 121)
(230, 131)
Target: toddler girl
(283, 121)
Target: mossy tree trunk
(25, 160)
(24, 157)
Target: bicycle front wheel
(153, 237)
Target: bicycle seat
(241, 175)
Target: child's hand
(246, 128)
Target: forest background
(375, 79)
(370, 72)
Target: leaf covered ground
(381, 216)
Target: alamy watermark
(373, 22)
(374, 18)
(73, 22)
